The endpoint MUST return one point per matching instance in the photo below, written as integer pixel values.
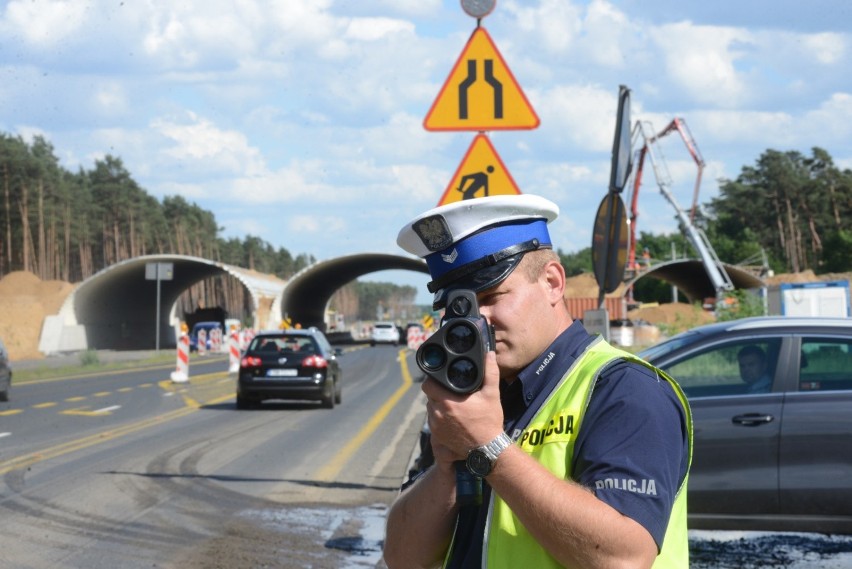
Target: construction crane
(643, 134)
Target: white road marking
(4, 435)
(107, 409)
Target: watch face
(478, 463)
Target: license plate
(282, 372)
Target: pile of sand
(25, 300)
(673, 315)
(584, 285)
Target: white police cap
(477, 243)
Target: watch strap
(497, 445)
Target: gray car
(5, 373)
(772, 406)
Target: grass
(88, 363)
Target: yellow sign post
(481, 93)
(480, 174)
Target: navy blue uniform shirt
(632, 448)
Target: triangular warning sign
(480, 174)
(481, 93)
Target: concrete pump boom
(643, 134)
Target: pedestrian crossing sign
(481, 93)
(480, 174)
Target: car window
(735, 368)
(323, 342)
(659, 350)
(826, 365)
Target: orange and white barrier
(216, 340)
(416, 337)
(201, 342)
(246, 336)
(181, 373)
(234, 350)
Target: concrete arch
(690, 277)
(116, 307)
(306, 296)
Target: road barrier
(234, 348)
(201, 342)
(181, 373)
(216, 340)
(416, 337)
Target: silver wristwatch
(480, 461)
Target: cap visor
(478, 281)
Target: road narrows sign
(481, 93)
(480, 174)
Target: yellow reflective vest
(550, 438)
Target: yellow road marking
(102, 393)
(27, 460)
(125, 389)
(75, 399)
(44, 405)
(330, 471)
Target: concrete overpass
(690, 277)
(116, 307)
(306, 297)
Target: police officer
(583, 449)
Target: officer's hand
(461, 422)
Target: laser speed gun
(455, 354)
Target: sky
(301, 121)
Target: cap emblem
(434, 232)
(451, 258)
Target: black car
(771, 400)
(5, 373)
(289, 364)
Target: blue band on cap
(484, 243)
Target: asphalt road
(128, 469)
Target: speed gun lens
(461, 338)
(433, 356)
(463, 374)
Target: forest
(62, 225)
(793, 210)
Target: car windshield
(658, 350)
(385, 326)
(303, 344)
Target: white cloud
(610, 31)
(584, 115)
(556, 23)
(832, 120)
(45, 23)
(312, 224)
(372, 29)
(200, 141)
(702, 61)
(827, 48)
